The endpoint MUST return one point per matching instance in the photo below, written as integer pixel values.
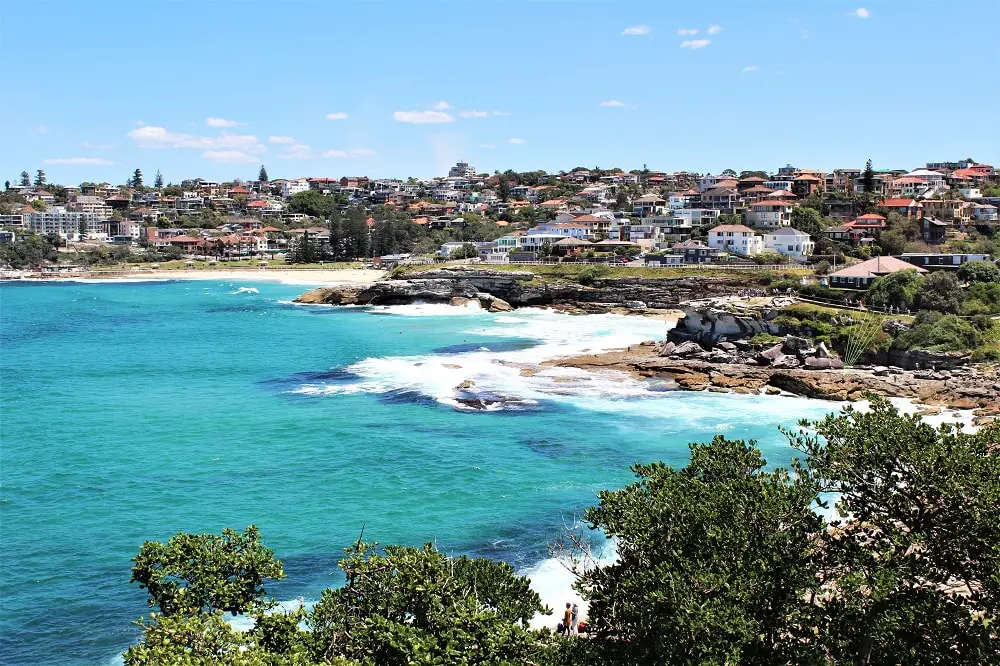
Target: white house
(790, 242)
(735, 238)
(57, 220)
(769, 214)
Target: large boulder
(768, 356)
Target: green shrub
(935, 332)
(590, 274)
(979, 271)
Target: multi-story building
(58, 220)
(649, 204)
(724, 199)
(790, 242)
(735, 238)
(769, 214)
(290, 188)
(954, 211)
(462, 169)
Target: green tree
(868, 179)
(82, 229)
(979, 271)
(909, 568)
(262, 176)
(158, 181)
(892, 242)
(807, 220)
(408, 605)
(40, 178)
(136, 181)
(713, 562)
(28, 251)
(936, 332)
(731, 173)
(940, 291)
(312, 203)
(897, 289)
(206, 572)
(25, 179)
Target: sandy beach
(284, 275)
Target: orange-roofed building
(907, 207)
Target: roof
(772, 202)
(898, 203)
(589, 218)
(787, 231)
(650, 197)
(730, 227)
(784, 193)
(571, 242)
(871, 216)
(876, 267)
(806, 176)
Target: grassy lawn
(569, 271)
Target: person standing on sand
(574, 619)
(567, 619)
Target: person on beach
(574, 619)
(567, 619)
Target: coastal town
(939, 214)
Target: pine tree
(262, 176)
(6, 185)
(137, 178)
(25, 179)
(158, 182)
(869, 178)
(40, 178)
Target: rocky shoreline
(972, 388)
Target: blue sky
(214, 89)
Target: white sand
(284, 275)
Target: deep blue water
(131, 411)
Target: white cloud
(695, 43)
(220, 122)
(229, 157)
(281, 139)
(441, 106)
(96, 146)
(501, 113)
(423, 117)
(685, 32)
(714, 29)
(516, 141)
(151, 136)
(473, 114)
(613, 102)
(337, 115)
(750, 68)
(298, 151)
(637, 30)
(354, 152)
(861, 13)
(79, 161)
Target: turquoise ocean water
(131, 411)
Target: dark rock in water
(485, 401)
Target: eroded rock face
(707, 326)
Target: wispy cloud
(151, 136)
(423, 117)
(337, 115)
(501, 113)
(516, 141)
(614, 103)
(687, 32)
(861, 13)
(281, 139)
(96, 146)
(473, 114)
(750, 68)
(637, 30)
(714, 29)
(79, 161)
(695, 43)
(229, 157)
(220, 122)
(441, 106)
(354, 152)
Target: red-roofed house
(909, 208)
(860, 276)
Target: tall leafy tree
(137, 178)
(158, 181)
(25, 179)
(807, 220)
(262, 176)
(40, 179)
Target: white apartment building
(462, 169)
(292, 187)
(735, 238)
(58, 220)
(89, 204)
(790, 242)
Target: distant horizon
(524, 85)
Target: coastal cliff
(524, 289)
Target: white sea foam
(246, 290)
(507, 379)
